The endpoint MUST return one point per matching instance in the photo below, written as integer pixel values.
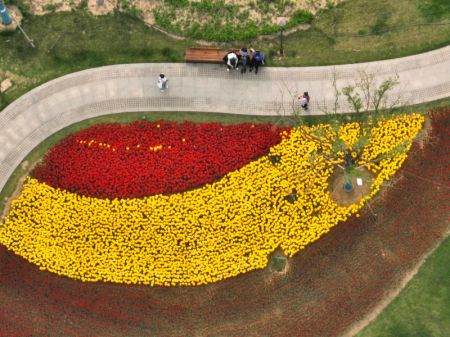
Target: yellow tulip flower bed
(200, 236)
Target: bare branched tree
(369, 102)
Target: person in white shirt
(231, 60)
(162, 82)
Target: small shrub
(362, 32)
(300, 16)
(135, 11)
(51, 7)
(274, 159)
(24, 9)
(277, 264)
(243, 16)
(272, 53)
(125, 4)
(206, 6)
(4, 100)
(169, 54)
(83, 4)
(177, 3)
(379, 27)
(330, 4)
(269, 29)
(177, 27)
(7, 32)
(434, 9)
(164, 18)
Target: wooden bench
(206, 55)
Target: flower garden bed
(330, 285)
(196, 237)
(142, 158)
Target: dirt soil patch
(42, 7)
(344, 198)
(328, 286)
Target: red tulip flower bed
(143, 158)
(327, 288)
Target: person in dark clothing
(258, 60)
(244, 59)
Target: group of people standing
(244, 58)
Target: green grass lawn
(423, 307)
(68, 42)
(355, 31)
(366, 30)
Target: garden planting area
(91, 211)
(205, 19)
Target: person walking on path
(304, 100)
(162, 82)
(258, 60)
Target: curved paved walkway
(198, 87)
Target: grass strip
(421, 309)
